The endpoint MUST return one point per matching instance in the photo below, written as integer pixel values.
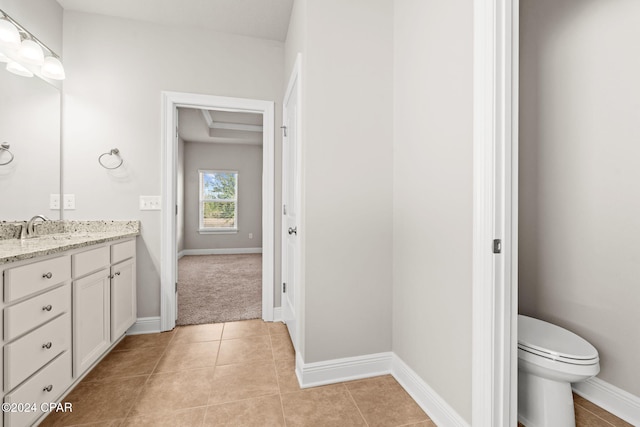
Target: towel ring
(113, 152)
(5, 147)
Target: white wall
(247, 161)
(116, 70)
(347, 149)
(579, 175)
(432, 174)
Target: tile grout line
(284, 418)
(356, 403)
(135, 401)
(215, 367)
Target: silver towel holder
(5, 147)
(113, 152)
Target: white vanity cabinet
(104, 300)
(91, 317)
(36, 320)
(60, 315)
(123, 288)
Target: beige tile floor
(238, 373)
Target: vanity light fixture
(9, 34)
(52, 68)
(31, 53)
(25, 54)
(17, 69)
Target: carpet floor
(219, 288)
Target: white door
(291, 208)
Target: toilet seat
(553, 342)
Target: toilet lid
(552, 341)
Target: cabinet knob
(47, 307)
(48, 388)
(47, 275)
(47, 345)
(118, 273)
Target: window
(218, 201)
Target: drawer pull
(48, 388)
(47, 307)
(47, 345)
(47, 275)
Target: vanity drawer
(90, 261)
(122, 251)
(44, 387)
(22, 281)
(36, 311)
(26, 355)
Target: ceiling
(222, 127)
(266, 19)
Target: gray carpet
(219, 288)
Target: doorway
(219, 216)
(171, 101)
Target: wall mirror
(30, 130)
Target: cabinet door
(91, 319)
(123, 297)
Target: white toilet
(550, 358)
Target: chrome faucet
(28, 229)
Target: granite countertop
(63, 236)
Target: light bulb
(31, 52)
(15, 68)
(52, 68)
(9, 35)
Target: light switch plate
(149, 203)
(69, 202)
(54, 201)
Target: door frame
(495, 276)
(168, 265)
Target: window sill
(218, 231)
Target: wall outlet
(69, 201)
(251, 235)
(54, 201)
(149, 203)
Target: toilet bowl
(550, 358)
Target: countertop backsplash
(11, 230)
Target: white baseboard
(426, 397)
(340, 370)
(180, 254)
(372, 365)
(145, 325)
(277, 314)
(221, 251)
(617, 401)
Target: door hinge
(176, 209)
(497, 246)
(284, 130)
(284, 287)
(284, 209)
(176, 288)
